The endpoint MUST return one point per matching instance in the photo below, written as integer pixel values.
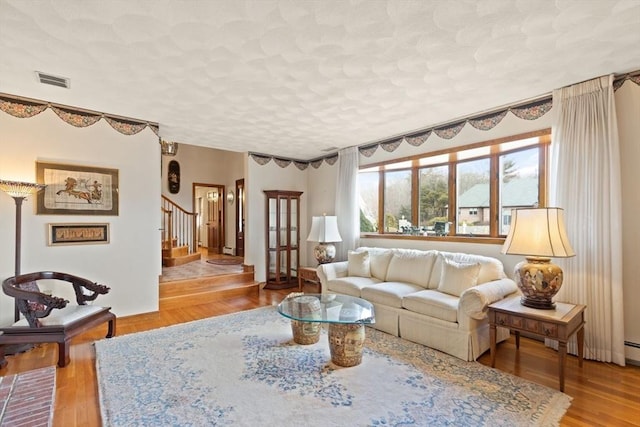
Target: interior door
(240, 217)
(214, 225)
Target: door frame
(240, 217)
(223, 195)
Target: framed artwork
(78, 234)
(76, 190)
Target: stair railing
(178, 225)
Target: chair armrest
(36, 305)
(474, 301)
(331, 271)
(86, 290)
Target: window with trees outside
(464, 193)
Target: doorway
(208, 200)
(240, 217)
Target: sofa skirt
(446, 336)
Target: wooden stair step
(222, 292)
(203, 284)
(176, 251)
(180, 260)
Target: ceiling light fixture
(168, 148)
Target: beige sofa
(438, 299)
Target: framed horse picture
(76, 190)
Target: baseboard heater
(228, 251)
(632, 361)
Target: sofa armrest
(474, 301)
(331, 271)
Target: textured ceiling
(293, 78)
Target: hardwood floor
(603, 394)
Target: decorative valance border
(485, 122)
(633, 77)
(530, 111)
(24, 108)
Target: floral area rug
(244, 369)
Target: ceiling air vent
(48, 79)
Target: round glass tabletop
(327, 308)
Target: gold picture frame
(76, 190)
(78, 234)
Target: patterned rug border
(546, 412)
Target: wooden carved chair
(49, 318)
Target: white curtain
(585, 181)
(347, 209)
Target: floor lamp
(19, 191)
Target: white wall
(628, 112)
(205, 166)
(270, 177)
(322, 200)
(130, 264)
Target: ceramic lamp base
(324, 252)
(539, 281)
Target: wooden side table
(559, 324)
(307, 274)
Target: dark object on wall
(174, 177)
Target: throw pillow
(456, 278)
(411, 266)
(358, 264)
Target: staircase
(179, 237)
(205, 290)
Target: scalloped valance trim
(24, 108)
(484, 122)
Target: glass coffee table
(346, 316)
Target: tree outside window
(397, 201)
(434, 197)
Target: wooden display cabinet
(282, 238)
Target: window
(368, 184)
(397, 201)
(473, 195)
(519, 178)
(434, 197)
(463, 193)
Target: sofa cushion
(388, 293)
(359, 265)
(411, 266)
(433, 304)
(490, 268)
(379, 260)
(456, 278)
(350, 285)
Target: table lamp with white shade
(539, 234)
(324, 230)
